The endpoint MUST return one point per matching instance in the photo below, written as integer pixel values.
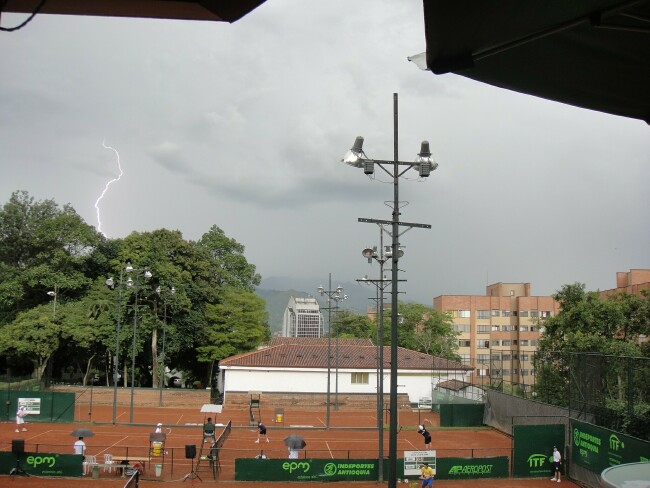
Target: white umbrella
(211, 408)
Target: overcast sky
(244, 125)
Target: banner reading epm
(305, 469)
(42, 464)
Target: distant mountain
(277, 291)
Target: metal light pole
(424, 164)
(161, 292)
(331, 295)
(54, 294)
(111, 284)
(130, 283)
(370, 254)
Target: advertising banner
(42, 464)
(597, 448)
(305, 470)
(534, 448)
(472, 468)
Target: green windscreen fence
(461, 414)
(534, 448)
(42, 406)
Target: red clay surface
(350, 436)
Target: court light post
(111, 284)
(331, 295)
(164, 294)
(135, 284)
(370, 253)
(424, 165)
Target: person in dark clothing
(261, 431)
(427, 436)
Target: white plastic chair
(108, 459)
(88, 463)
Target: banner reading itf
(597, 448)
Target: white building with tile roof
(300, 366)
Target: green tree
(237, 325)
(348, 324)
(34, 335)
(587, 345)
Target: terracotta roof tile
(312, 353)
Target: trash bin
(95, 471)
(279, 415)
(158, 470)
(156, 448)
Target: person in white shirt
(80, 447)
(557, 460)
(21, 413)
(158, 428)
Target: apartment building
(302, 318)
(499, 331)
(632, 282)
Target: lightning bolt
(119, 166)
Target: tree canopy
(56, 310)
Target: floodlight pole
(357, 158)
(336, 296)
(117, 346)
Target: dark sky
(243, 126)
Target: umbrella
(210, 408)
(82, 433)
(593, 54)
(295, 442)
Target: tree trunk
(88, 364)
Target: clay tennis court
(351, 435)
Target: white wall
(416, 384)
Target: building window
(534, 313)
(464, 343)
(359, 378)
(505, 357)
(514, 313)
(533, 328)
(534, 342)
(463, 314)
(523, 313)
(483, 358)
(506, 343)
(523, 342)
(465, 358)
(482, 314)
(483, 329)
(482, 372)
(505, 313)
(496, 328)
(545, 314)
(461, 327)
(524, 357)
(483, 345)
(524, 372)
(495, 343)
(496, 313)
(507, 372)
(523, 328)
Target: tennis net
(133, 481)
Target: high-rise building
(302, 318)
(499, 332)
